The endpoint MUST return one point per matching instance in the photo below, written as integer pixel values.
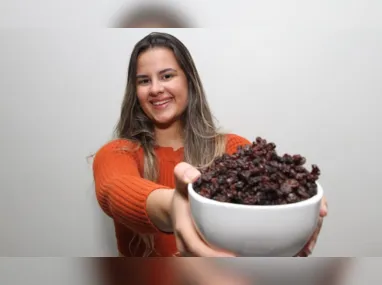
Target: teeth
(161, 102)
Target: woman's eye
(167, 76)
(143, 81)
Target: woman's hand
(308, 248)
(188, 241)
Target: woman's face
(162, 87)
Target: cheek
(182, 99)
(144, 103)
(142, 97)
(181, 95)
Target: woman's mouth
(161, 104)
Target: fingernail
(324, 211)
(191, 175)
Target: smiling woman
(165, 121)
(165, 133)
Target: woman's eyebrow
(160, 72)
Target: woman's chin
(164, 122)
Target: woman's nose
(156, 88)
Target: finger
(324, 207)
(312, 244)
(185, 233)
(195, 246)
(308, 248)
(315, 234)
(179, 203)
(184, 173)
(189, 237)
(303, 253)
(182, 252)
(179, 246)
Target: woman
(165, 132)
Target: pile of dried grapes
(257, 175)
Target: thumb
(185, 173)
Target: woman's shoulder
(117, 146)
(233, 141)
(234, 138)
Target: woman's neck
(171, 136)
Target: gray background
(313, 89)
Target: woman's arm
(158, 209)
(124, 195)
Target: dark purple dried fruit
(257, 175)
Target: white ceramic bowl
(280, 230)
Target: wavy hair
(202, 140)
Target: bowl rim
(311, 201)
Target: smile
(161, 103)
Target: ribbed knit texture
(122, 192)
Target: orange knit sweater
(121, 191)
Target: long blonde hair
(202, 140)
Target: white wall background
(312, 90)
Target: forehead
(156, 59)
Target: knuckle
(181, 168)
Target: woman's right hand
(188, 241)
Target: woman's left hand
(308, 248)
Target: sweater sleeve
(121, 191)
(234, 141)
